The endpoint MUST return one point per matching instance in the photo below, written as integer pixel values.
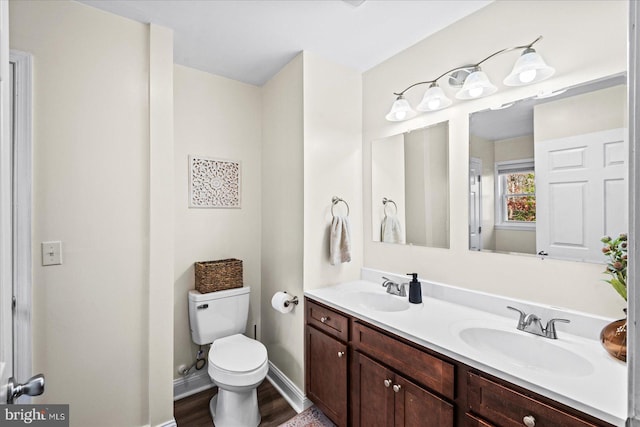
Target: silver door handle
(397, 387)
(387, 383)
(33, 387)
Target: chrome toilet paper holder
(293, 301)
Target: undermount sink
(381, 301)
(527, 350)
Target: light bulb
(475, 92)
(527, 76)
(434, 104)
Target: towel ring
(385, 202)
(334, 201)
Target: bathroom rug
(310, 417)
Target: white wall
(91, 190)
(579, 54)
(218, 118)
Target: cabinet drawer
(428, 370)
(473, 421)
(502, 406)
(327, 320)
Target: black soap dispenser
(415, 289)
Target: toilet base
(235, 409)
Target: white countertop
(600, 391)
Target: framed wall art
(214, 183)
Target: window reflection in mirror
(548, 174)
(410, 187)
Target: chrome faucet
(394, 288)
(533, 324)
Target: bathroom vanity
(371, 360)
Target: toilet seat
(238, 361)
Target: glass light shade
(434, 99)
(529, 68)
(400, 110)
(476, 85)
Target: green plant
(616, 251)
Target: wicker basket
(218, 275)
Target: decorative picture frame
(214, 183)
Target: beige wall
(387, 180)
(311, 152)
(91, 190)
(219, 118)
(483, 149)
(332, 166)
(282, 216)
(519, 148)
(520, 241)
(590, 112)
(579, 54)
(161, 225)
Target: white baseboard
(191, 384)
(171, 423)
(288, 389)
(200, 381)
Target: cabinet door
(327, 375)
(416, 407)
(371, 393)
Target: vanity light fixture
(473, 83)
(400, 110)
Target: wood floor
(193, 411)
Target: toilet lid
(237, 353)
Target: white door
(581, 188)
(6, 240)
(475, 197)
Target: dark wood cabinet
(327, 370)
(426, 369)
(383, 398)
(390, 381)
(372, 400)
(502, 406)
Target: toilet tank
(218, 314)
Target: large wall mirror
(410, 187)
(548, 175)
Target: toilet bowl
(237, 365)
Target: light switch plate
(51, 253)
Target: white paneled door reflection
(581, 187)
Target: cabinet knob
(529, 421)
(340, 353)
(397, 387)
(387, 383)
(324, 319)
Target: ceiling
(251, 40)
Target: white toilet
(237, 364)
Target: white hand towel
(391, 231)
(340, 240)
